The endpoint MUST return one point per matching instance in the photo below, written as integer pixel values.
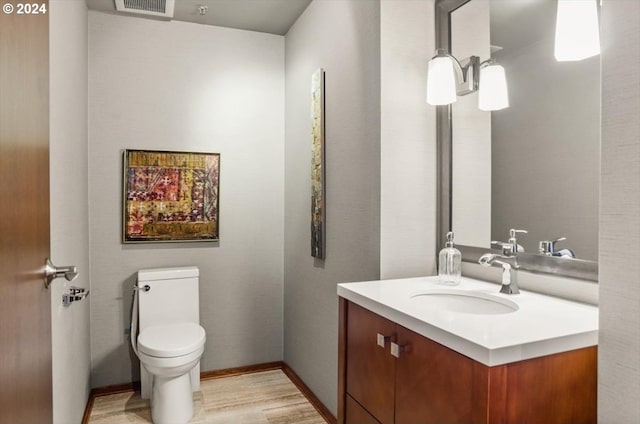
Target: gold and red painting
(170, 196)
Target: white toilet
(170, 342)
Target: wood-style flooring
(266, 397)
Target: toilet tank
(173, 296)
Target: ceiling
(270, 16)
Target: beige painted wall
(343, 37)
(189, 87)
(407, 141)
(619, 349)
(69, 207)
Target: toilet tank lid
(168, 273)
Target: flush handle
(51, 272)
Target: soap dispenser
(450, 263)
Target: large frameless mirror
(532, 166)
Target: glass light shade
(577, 31)
(441, 83)
(493, 93)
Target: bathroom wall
(408, 141)
(69, 205)
(180, 86)
(619, 345)
(343, 37)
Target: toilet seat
(170, 366)
(171, 340)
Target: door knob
(52, 272)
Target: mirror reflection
(535, 164)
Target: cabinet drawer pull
(397, 349)
(382, 339)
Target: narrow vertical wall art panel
(317, 165)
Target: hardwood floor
(267, 397)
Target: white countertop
(542, 325)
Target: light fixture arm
(468, 75)
(467, 72)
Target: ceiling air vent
(163, 8)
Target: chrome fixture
(448, 78)
(510, 251)
(52, 272)
(202, 9)
(75, 294)
(510, 248)
(144, 288)
(509, 271)
(548, 247)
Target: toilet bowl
(170, 343)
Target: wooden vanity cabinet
(372, 370)
(430, 383)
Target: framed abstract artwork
(170, 196)
(317, 166)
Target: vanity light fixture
(577, 31)
(493, 93)
(448, 78)
(441, 84)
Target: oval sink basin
(464, 301)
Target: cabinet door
(370, 367)
(560, 388)
(356, 414)
(433, 383)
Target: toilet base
(146, 381)
(172, 400)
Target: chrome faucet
(510, 248)
(509, 271)
(510, 251)
(548, 248)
